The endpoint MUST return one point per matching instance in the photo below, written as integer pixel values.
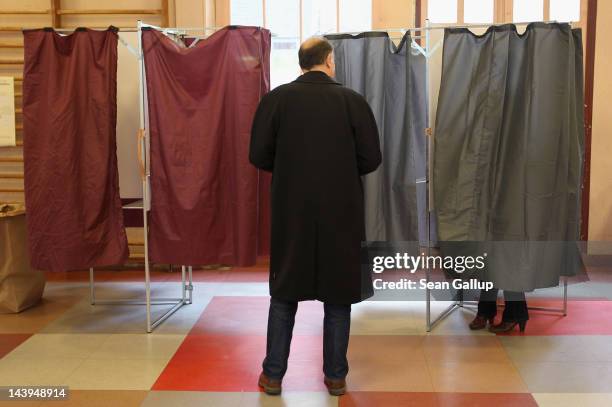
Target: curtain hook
(415, 49)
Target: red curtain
(73, 214)
(209, 205)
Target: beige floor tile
(185, 318)
(398, 376)
(192, 398)
(78, 346)
(243, 289)
(126, 374)
(364, 349)
(573, 399)
(293, 399)
(475, 377)
(99, 398)
(33, 319)
(102, 318)
(247, 399)
(599, 346)
(457, 323)
(138, 346)
(37, 371)
(385, 318)
(66, 291)
(85, 318)
(543, 348)
(464, 348)
(566, 377)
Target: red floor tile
(247, 276)
(256, 273)
(583, 318)
(235, 275)
(107, 276)
(485, 399)
(195, 375)
(8, 342)
(367, 399)
(233, 363)
(214, 363)
(249, 316)
(244, 275)
(248, 349)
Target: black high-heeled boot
(480, 322)
(507, 326)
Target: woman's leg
(515, 308)
(487, 304)
(515, 313)
(487, 309)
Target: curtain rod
(427, 28)
(135, 29)
(179, 29)
(182, 29)
(209, 28)
(66, 30)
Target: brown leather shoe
(270, 386)
(506, 326)
(335, 387)
(480, 322)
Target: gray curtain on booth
(508, 151)
(392, 79)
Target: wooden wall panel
(222, 12)
(393, 14)
(600, 213)
(190, 13)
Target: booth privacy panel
(508, 150)
(208, 204)
(392, 80)
(74, 216)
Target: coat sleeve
(263, 134)
(365, 130)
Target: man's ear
(330, 59)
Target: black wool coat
(317, 138)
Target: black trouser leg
(515, 308)
(487, 304)
(336, 330)
(281, 319)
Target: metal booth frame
(427, 51)
(186, 293)
(186, 297)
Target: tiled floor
(209, 353)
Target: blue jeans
(336, 330)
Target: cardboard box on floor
(20, 286)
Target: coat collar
(316, 77)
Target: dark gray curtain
(392, 80)
(508, 151)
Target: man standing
(317, 138)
